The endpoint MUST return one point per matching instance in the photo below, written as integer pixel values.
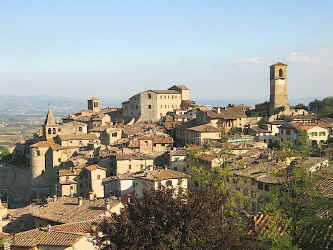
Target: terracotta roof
(279, 63)
(46, 144)
(78, 137)
(229, 113)
(94, 167)
(326, 186)
(93, 98)
(67, 210)
(78, 227)
(157, 138)
(44, 237)
(205, 128)
(306, 126)
(163, 174)
(65, 172)
(136, 156)
(263, 223)
(165, 91)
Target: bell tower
(278, 86)
(93, 104)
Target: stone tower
(278, 86)
(93, 104)
(50, 128)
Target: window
(260, 186)
(169, 182)
(161, 106)
(141, 166)
(288, 132)
(38, 153)
(71, 187)
(98, 177)
(267, 187)
(314, 133)
(114, 134)
(54, 131)
(149, 96)
(80, 129)
(130, 166)
(165, 106)
(149, 106)
(59, 129)
(280, 73)
(49, 131)
(180, 181)
(67, 178)
(59, 159)
(322, 134)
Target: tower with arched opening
(278, 86)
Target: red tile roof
(94, 167)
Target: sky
(115, 49)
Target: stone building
(129, 163)
(154, 180)
(91, 181)
(317, 134)
(201, 134)
(152, 105)
(68, 182)
(278, 86)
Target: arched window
(49, 131)
(54, 131)
(280, 73)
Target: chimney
(79, 201)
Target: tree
(193, 220)
(303, 143)
(4, 154)
(294, 205)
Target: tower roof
(93, 98)
(279, 63)
(49, 118)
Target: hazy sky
(219, 49)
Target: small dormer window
(149, 96)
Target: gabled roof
(46, 144)
(94, 167)
(279, 63)
(163, 174)
(67, 210)
(78, 137)
(44, 237)
(50, 121)
(164, 91)
(205, 128)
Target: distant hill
(36, 105)
(11, 105)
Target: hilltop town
(74, 174)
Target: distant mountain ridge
(36, 105)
